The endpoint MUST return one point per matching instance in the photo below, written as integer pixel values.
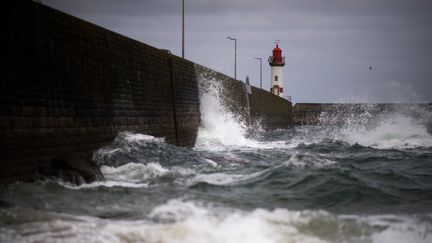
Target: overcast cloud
(329, 45)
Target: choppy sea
(369, 180)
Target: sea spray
(392, 131)
(188, 222)
(382, 127)
(218, 125)
(223, 123)
(353, 182)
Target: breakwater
(69, 86)
(341, 113)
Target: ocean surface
(367, 181)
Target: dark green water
(298, 185)
(368, 181)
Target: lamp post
(235, 55)
(260, 59)
(183, 29)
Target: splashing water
(188, 222)
(393, 131)
(218, 125)
(220, 128)
(366, 181)
(402, 129)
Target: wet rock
(76, 169)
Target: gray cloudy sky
(328, 44)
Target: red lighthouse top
(277, 59)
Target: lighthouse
(277, 62)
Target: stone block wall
(69, 86)
(271, 111)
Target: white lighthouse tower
(277, 61)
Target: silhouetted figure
(370, 68)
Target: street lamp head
(235, 55)
(258, 58)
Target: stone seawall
(69, 86)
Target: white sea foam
(308, 161)
(129, 143)
(189, 222)
(224, 179)
(396, 131)
(211, 162)
(137, 137)
(218, 125)
(132, 172)
(400, 229)
(221, 129)
(129, 175)
(385, 131)
(176, 210)
(103, 184)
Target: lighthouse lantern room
(277, 61)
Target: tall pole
(260, 73)
(235, 59)
(260, 59)
(183, 29)
(235, 55)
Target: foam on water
(225, 179)
(299, 160)
(135, 173)
(393, 131)
(221, 129)
(131, 175)
(129, 143)
(137, 137)
(381, 131)
(188, 222)
(103, 184)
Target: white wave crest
(219, 126)
(386, 131)
(137, 137)
(131, 175)
(132, 172)
(308, 161)
(395, 131)
(189, 222)
(225, 179)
